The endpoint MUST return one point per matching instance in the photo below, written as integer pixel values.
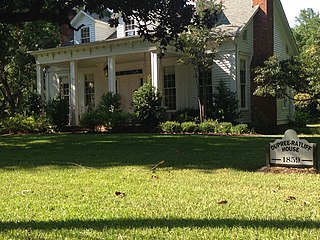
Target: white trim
(111, 74)
(154, 70)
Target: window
(89, 90)
(131, 28)
(169, 80)
(205, 84)
(243, 83)
(85, 35)
(64, 88)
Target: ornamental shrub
(109, 102)
(147, 106)
(189, 127)
(58, 112)
(225, 104)
(208, 126)
(170, 127)
(224, 127)
(241, 129)
(24, 124)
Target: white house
(105, 59)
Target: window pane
(169, 79)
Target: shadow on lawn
(108, 150)
(100, 224)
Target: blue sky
(292, 8)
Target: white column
(155, 70)
(74, 110)
(111, 74)
(40, 86)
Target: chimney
(264, 109)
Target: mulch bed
(288, 170)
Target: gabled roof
(236, 15)
(93, 17)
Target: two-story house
(103, 59)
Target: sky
(292, 8)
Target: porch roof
(104, 48)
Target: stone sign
(292, 151)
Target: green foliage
(224, 128)
(147, 105)
(24, 124)
(172, 17)
(93, 118)
(170, 127)
(209, 126)
(189, 127)
(109, 102)
(225, 103)
(241, 129)
(200, 42)
(107, 114)
(301, 73)
(17, 68)
(58, 112)
(186, 115)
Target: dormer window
(131, 28)
(85, 35)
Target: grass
(63, 187)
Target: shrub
(189, 127)
(24, 124)
(225, 104)
(208, 126)
(224, 127)
(58, 112)
(147, 105)
(109, 102)
(170, 127)
(93, 118)
(241, 129)
(186, 115)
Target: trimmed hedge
(208, 126)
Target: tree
(225, 103)
(300, 74)
(159, 20)
(200, 41)
(17, 68)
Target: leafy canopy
(159, 20)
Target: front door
(126, 86)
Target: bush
(170, 127)
(24, 124)
(92, 118)
(147, 105)
(186, 115)
(225, 104)
(58, 112)
(189, 127)
(224, 127)
(208, 126)
(109, 102)
(241, 129)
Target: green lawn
(63, 186)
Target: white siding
(121, 29)
(192, 86)
(88, 22)
(282, 50)
(103, 30)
